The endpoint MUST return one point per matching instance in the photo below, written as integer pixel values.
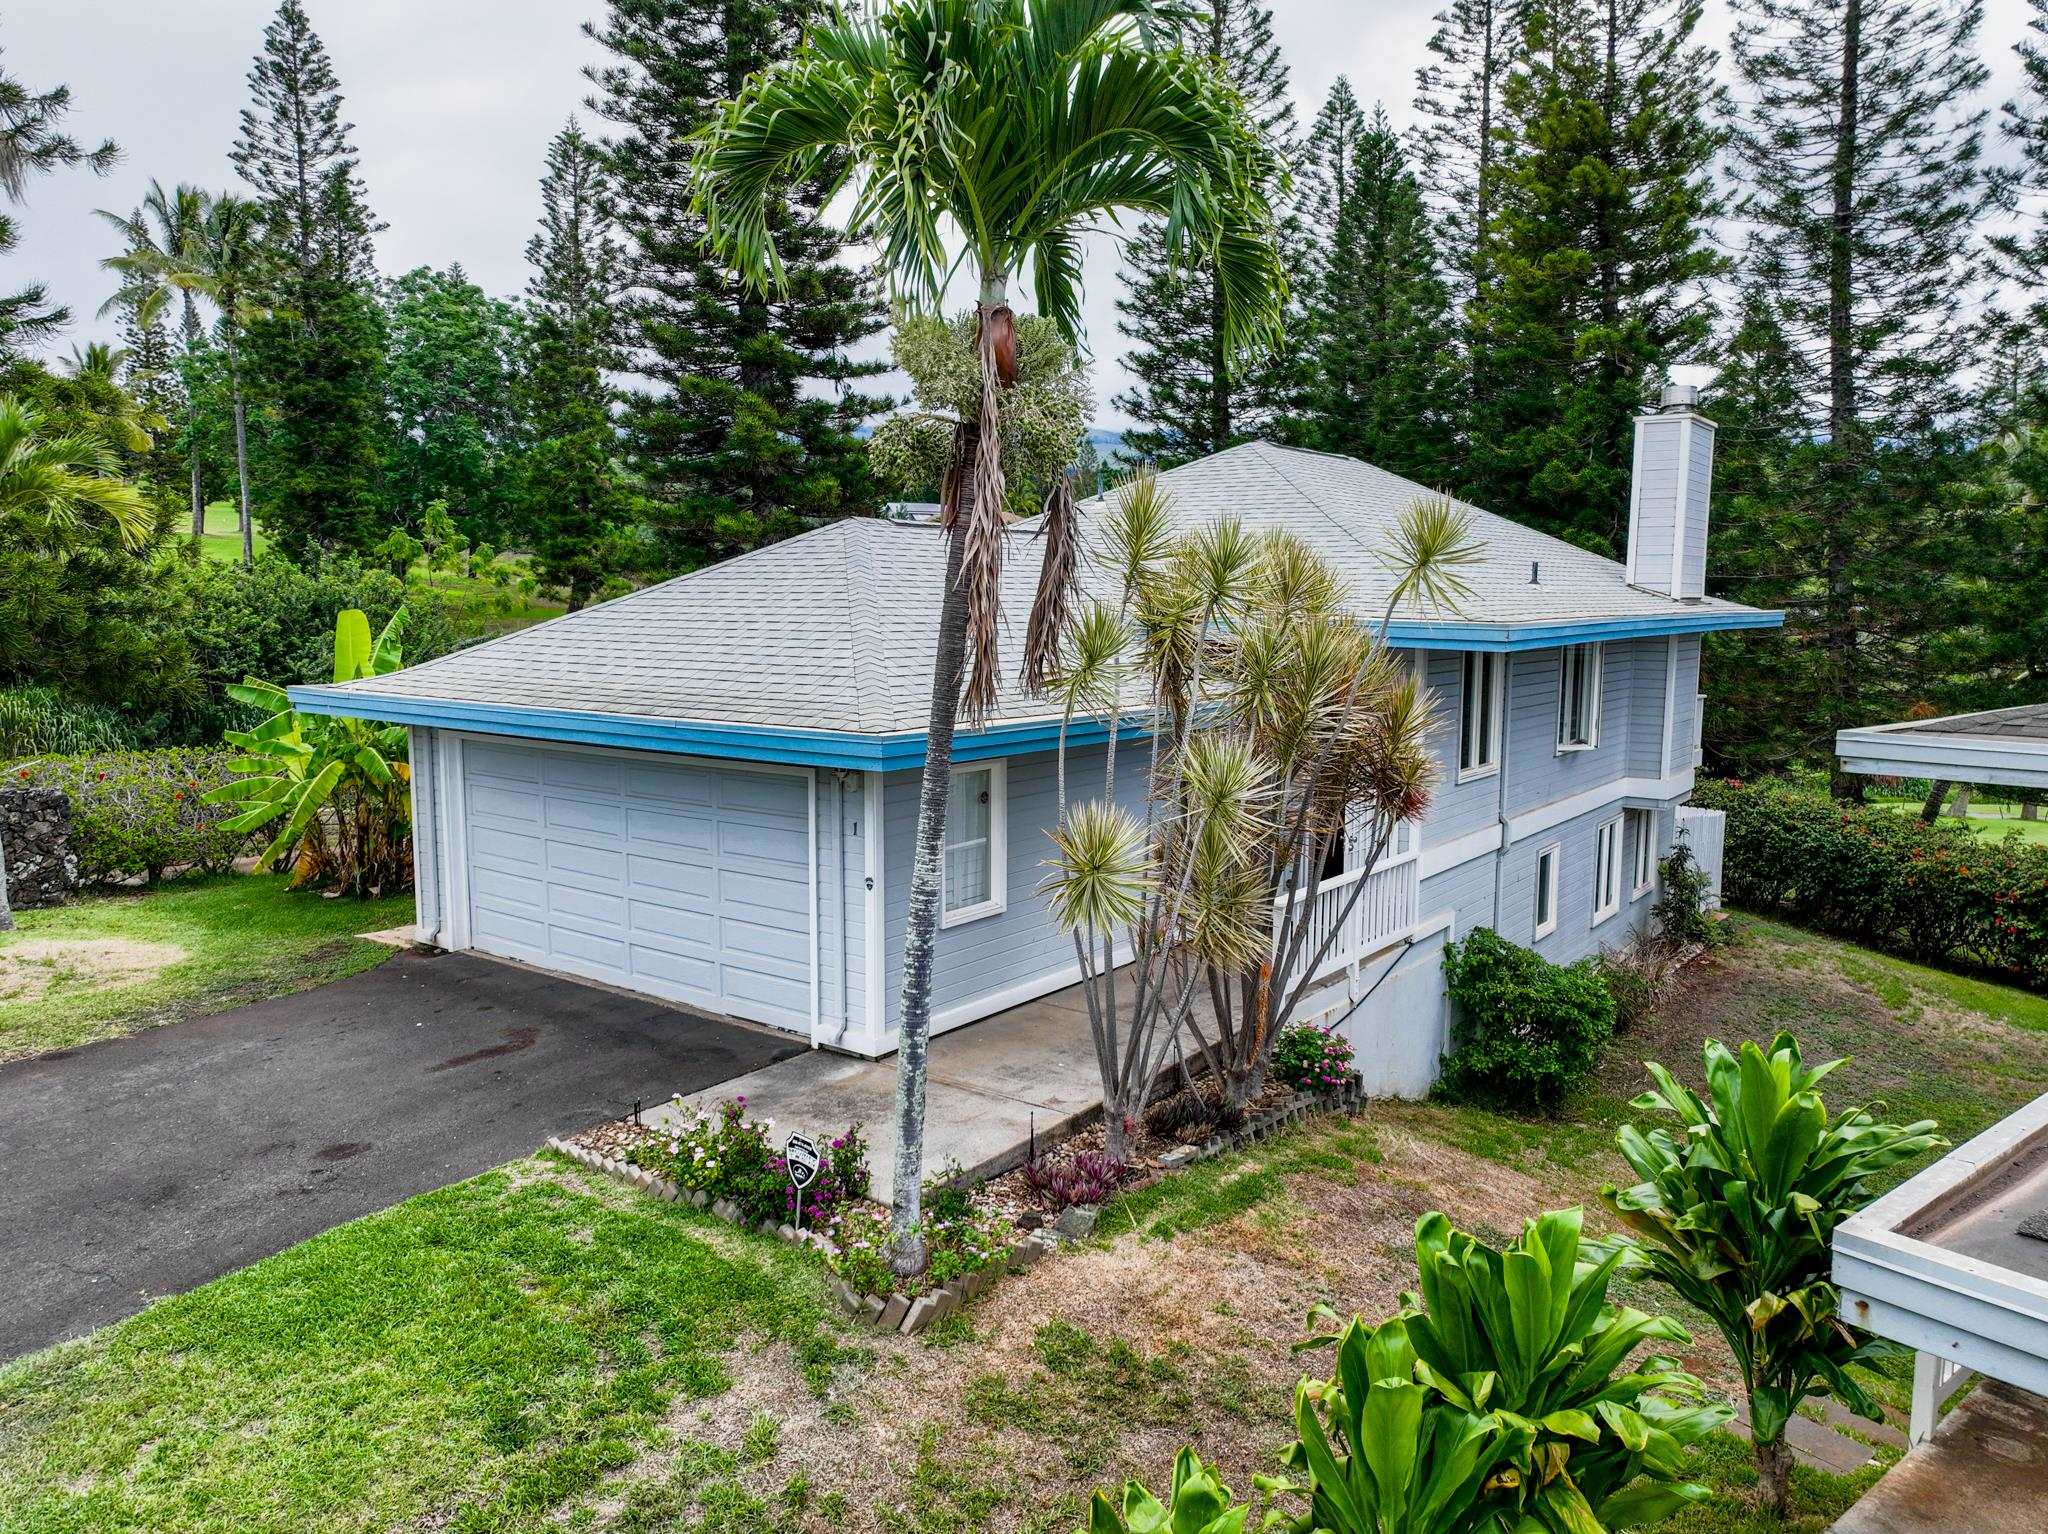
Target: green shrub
(1740, 1195)
(1933, 893)
(724, 1154)
(1309, 1059)
(141, 812)
(1525, 1033)
(1680, 914)
(40, 721)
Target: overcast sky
(454, 102)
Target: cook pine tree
(741, 422)
(574, 494)
(1380, 365)
(314, 354)
(1185, 396)
(1862, 186)
(1598, 256)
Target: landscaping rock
(920, 1314)
(871, 1308)
(893, 1311)
(1179, 1156)
(700, 1198)
(1077, 1222)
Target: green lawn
(538, 1349)
(222, 542)
(467, 1361)
(1991, 824)
(180, 950)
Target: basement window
(974, 858)
(1578, 698)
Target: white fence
(1386, 910)
(1706, 834)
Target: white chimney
(1668, 495)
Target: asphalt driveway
(147, 1165)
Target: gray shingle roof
(2026, 722)
(834, 630)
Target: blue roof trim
(810, 748)
(1408, 634)
(905, 749)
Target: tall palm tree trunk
(981, 497)
(198, 499)
(242, 458)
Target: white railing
(1935, 1379)
(1386, 910)
(1706, 835)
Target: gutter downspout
(1507, 714)
(841, 776)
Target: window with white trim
(1546, 889)
(1607, 871)
(1643, 862)
(973, 858)
(1480, 695)
(1578, 697)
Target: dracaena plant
(1279, 722)
(1197, 1503)
(337, 790)
(1591, 1435)
(1740, 1195)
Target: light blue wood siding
(1650, 668)
(1657, 491)
(1692, 578)
(1576, 936)
(1685, 701)
(1537, 772)
(1021, 943)
(1466, 891)
(842, 907)
(1458, 808)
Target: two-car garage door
(683, 880)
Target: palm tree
(1013, 127)
(118, 416)
(156, 238)
(50, 485)
(217, 263)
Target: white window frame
(1644, 868)
(1607, 869)
(1490, 712)
(997, 770)
(1548, 861)
(1590, 655)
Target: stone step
(1813, 1443)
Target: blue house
(706, 791)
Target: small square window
(1546, 889)
(1480, 697)
(1607, 871)
(1578, 698)
(972, 862)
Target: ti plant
(1199, 1503)
(338, 786)
(1740, 1195)
(1573, 1436)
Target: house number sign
(800, 1155)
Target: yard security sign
(800, 1155)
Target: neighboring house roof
(789, 651)
(2006, 746)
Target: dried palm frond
(1055, 586)
(981, 562)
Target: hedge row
(1934, 893)
(139, 812)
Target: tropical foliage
(1526, 1033)
(1197, 1502)
(1741, 1192)
(335, 789)
(1283, 730)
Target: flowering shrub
(1086, 1177)
(1887, 880)
(1311, 1060)
(723, 1154)
(140, 812)
(963, 1240)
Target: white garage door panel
(686, 881)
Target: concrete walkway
(991, 1084)
(1985, 1471)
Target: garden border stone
(899, 1312)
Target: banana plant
(1198, 1503)
(1737, 1209)
(337, 790)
